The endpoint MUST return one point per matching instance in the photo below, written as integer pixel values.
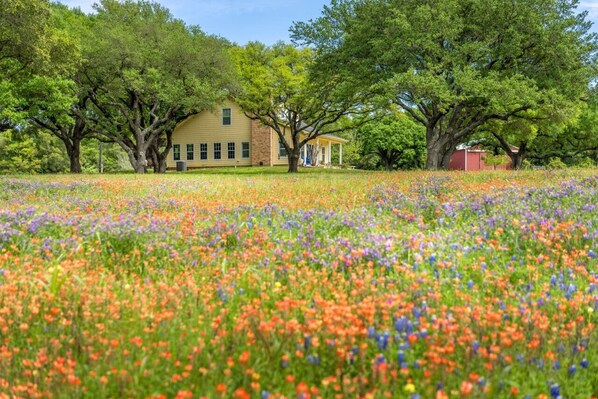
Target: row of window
(231, 149)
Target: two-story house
(226, 137)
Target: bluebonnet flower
(307, 342)
(371, 332)
(401, 357)
(400, 324)
(555, 390)
(557, 365)
(572, 369)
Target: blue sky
(267, 21)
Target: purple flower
(555, 390)
(572, 369)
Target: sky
(267, 21)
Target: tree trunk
(517, 157)
(434, 148)
(73, 150)
(434, 160)
(446, 156)
(388, 165)
(388, 157)
(153, 155)
(293, 158)
(439, 151)
(140, 154)
(75, 156)
(160, 166)
(139, 163)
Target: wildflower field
(331, 285)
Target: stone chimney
(261, 144)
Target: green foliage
(494, 160)
(526, 165)
(454, 65)
(556, 163)
(112, 155)
(35, 58)
(396, 139)
(31, 151)
(23, 24)
(280, 90)
(571, 142)
(50, 152)
(19, 154)
(149, 71)
(586, 162)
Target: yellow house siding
(207, 128)
(276, 160)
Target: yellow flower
(409, 388)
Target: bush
(526, 165)
(586, 162)
(556, 163)
(19, 154)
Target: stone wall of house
(261, 144)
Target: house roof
(478, 148)
(332, 137)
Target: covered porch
(318, 152)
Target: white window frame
(174, 152)
(229, 117)
(228, 150)
(281, 148)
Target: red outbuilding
(472, 158)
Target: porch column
(318, 151)
(329, 155)
(340, 154)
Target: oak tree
(455, 65)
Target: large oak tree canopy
(35, 54)
(454, 65)
(279, 89)
(148, 72)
